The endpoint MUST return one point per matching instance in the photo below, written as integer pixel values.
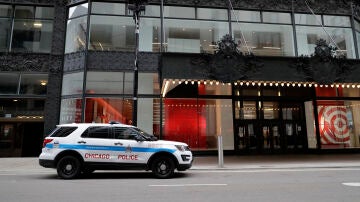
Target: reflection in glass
(271, 110)
(149, 115)
(193, 36)
(104, 110)
(265, 39)
(105, 82)
(340, 21)
(78, 10)
(72, 83)
(75, 35)
(32, 36)
(70, 111)
(179, 12)
(5, 28)
(248, 111)
(212, 14)
(245, 16)
(273, 17)
(307, 19)
(109, 33)
(308, 36)
(109, 8)
(150, 35)
(9, 83)
(33, 84)
(12, 108)
(5, 10)
(149, 83)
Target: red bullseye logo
(333, 125)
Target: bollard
(220, 152)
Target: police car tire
(68, 167)
(163, 167)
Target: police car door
(96, 144)
(133, 152)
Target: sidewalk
(230, 162)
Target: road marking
(352, 184)
(274, 170)
(185, 185)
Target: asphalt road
(302, 184)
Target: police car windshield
(145, 135)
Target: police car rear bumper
(47, 163)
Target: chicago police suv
(75, 149)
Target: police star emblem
(128, 149)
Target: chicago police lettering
(97, 156)
(132, 157)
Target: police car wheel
(68, 167)
(163, 167)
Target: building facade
(267, 76)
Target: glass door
(270, 136)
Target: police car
(82, 148)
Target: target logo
(333, 125)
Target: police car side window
(97, 132)
(62, 131)
(124, 133)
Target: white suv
(75, 149)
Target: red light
(46, 141)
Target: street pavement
(241, 162)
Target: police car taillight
(47, 140)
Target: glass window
(271, 110)
(193, 36)
(33, 84)
(62, 131)
(76, 35)
(249, 16)
(32, 36)
(203, 118)
(129, 83)
(340, 21)
(358, 39)
(307, 19)
(151, 10)
(357, 25)
(265, 39)
(349, 92)
(248, 111)
(150, 35)
(22, 108)
(110, 33)
(308, 36)
(24, 11)
(108, 8)
(273, 17)
(339, 124)
(78, 10)
(70, 111)
(215, 88)
(44, 12)
(5, 29)
(97, 132)
(9, 83)
(212, 14)
(72, 83)
(148, 115)
(5, 10)
(179, 12)
(105, 82)
(104, 110)
(149, 83)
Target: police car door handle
(118, 143)
(81, 142)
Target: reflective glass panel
(70, 111)
(150, 35)
(265, 39)
(149, 83)
(307, 19)
(5, 10)
(215, 88)
(179, 12)
(104, 110)
(149, 115)
(72, 83)
(212, 14)
(152, 10)
(248, 16)
(9, 83)
(29, 109)
(357, 25)
(33, 84)
(32, 36)
(193, 36)
(44, 12)
(5, 28)
(34, 12)
(76, 35)
(105, 82)
(108, 8)
(129, 83)
(308, 36)
(271, 110)
(202, 118)
(340, 21)
(108, 33)
(78, 10)
(273, 17)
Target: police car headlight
(181, 147)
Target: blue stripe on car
(108, 148)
